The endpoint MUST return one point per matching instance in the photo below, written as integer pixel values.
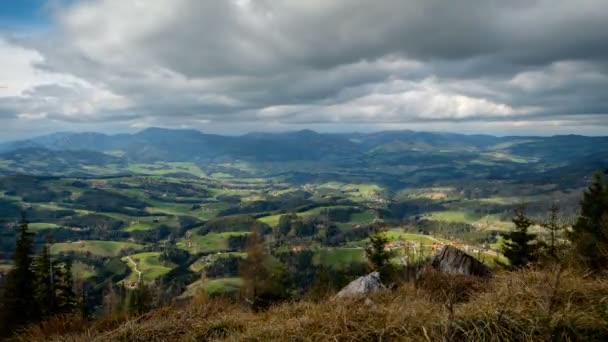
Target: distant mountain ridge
(159, 144)
(392, 158)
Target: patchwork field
(209, 243)
(198, 265)
(148, 264)
(339, 257)
(213, 287)
(98, 248)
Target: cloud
(238, 63)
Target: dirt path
(135, 269)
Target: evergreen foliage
(589, 234)
(555, 229)
(18, 302)
(35, 288)
(379, 256)
(520, 245)
(44, 283)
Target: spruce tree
(589, 234)
(376, 252)
(520, 247)
(554, 229)
(379, 257)
(18, 299)
(44, 283)
(66, 297)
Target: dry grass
(533, 305)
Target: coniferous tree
(555, 229)
(64, 285)
(18, 299)
(139, 299)
(331, 232)
(589, 234)
(379, 256)
(44, 283)
(520, 247)
(376, 252)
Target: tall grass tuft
(549, 304)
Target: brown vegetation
(528, 305)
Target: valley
(172, 215)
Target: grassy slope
(100, 248)
(212, 242)
(339, 257)
(459, 216)
(510, 307)
(148, 264)
(198, 265)
(273, 220)
(40, 226)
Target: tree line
(36, 287)
(585, 243)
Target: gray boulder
(452, 260)
(362, 286)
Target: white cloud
(216, 62)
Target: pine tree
(379, 256)
(64, 285)
(554, 229)
(18, 301)
(589, 234)
(139, 299)
(520, 247)
(376, 252)
(331, 232)
(44, 283)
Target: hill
(514, 306)
(393, 158)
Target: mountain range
(413, 156)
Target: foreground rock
(452, 260)
(362, 286)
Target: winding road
(135, 269)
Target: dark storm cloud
(342, 62)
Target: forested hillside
(130, 223)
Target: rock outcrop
(452, 260)
(362, 286)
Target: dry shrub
(513, 306)
(446, 288)
(57, 325)
(517, 306)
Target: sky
(519, 67)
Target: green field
(148, 264)
(212, 242)
(339, 257)
(363, 217)
(140, 225)
(179, 209)
(213, 287)
(160, 169)
(273, 220)
(480, 221)
(198, 265)
(98, 248)
(82, 271)
(41, 226)
(223, 285)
